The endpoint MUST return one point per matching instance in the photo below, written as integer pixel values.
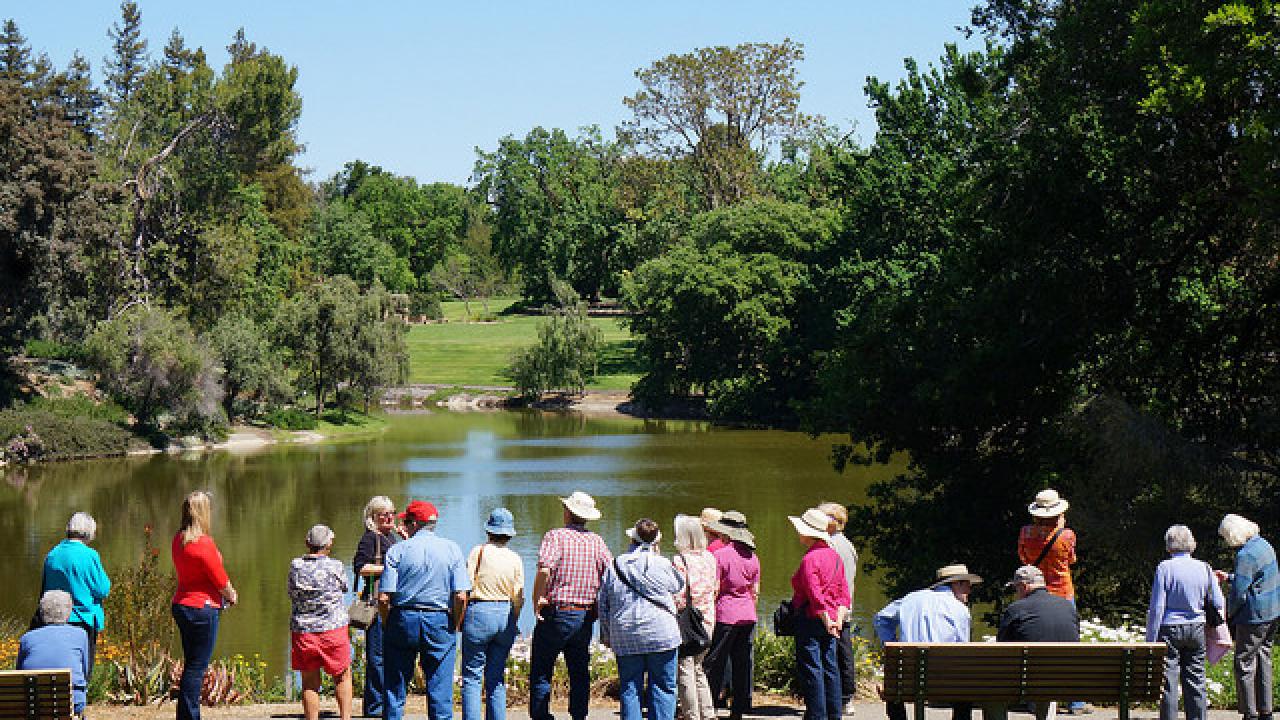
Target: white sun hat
(1048, 504)
(813, 523)
(581, 505)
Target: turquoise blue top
(75, 567)
(1254, 594)
(424, 572)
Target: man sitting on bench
(939, 613)
(1037, 615)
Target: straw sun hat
(954, 573)
(733, 525)
(813, 523)
(581, 505)
(1048, 504)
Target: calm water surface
(265, 501)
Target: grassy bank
(458, 352)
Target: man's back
(425, 570)
(1040, 617)
(929, 615)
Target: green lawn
(464, 353)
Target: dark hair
(498, 537)
(646, 530)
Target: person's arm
(1155, 608)
(388, 585)
(517, 602)
(1005, 632)
(1241, 577)
(99, 584)
(885, 622)
(602, 607)
(459, 609)
(548, 556)
(1024, 552)
(211, 561)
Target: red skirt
(329, 651)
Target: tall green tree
(128, 59)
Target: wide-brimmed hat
(954, 573)
(710, 515)
(501, 522)
(1048, 504)
(813, 523)
(420, 510)
(581, 505)
(733, 525)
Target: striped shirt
(577, 559)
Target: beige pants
(694, 702)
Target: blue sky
(416, 86)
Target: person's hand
(1221, 575)
(833, 627)
(539, 606)
(880, 692)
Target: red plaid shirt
(577, 560)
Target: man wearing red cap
(424, 579)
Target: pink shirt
(702, 578)
(716, 543)
(819, 583)
(738, 569)
(577, 560)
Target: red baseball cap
(421, 511)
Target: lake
(465, 463)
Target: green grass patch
(463, 353)
(346, 423)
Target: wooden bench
(36, 694)
(993, 676)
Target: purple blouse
(739, 571)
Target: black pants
(93, 646)
(845, 662)
(959, 711)
(731, 645)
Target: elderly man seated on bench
(938, 613)
(57, 645)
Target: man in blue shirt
(938, 613)
(424, 579)
(57, 645)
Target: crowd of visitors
(680, 625)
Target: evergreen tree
(15, 54)
(129, 54)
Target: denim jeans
(488, 632)
(198, 628)
(659, 669)
(818, 672)
(567, 631)
(408, 636)
(1183, 661)
(375, 687)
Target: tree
(380, 356)
(342, 242)
(317, 326)
(252, 370)
(15, 54)
(128, 60)
(557, 211)
(566, 355)
(721, 107)
(153, 365)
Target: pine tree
(129, 60)
(15, 54)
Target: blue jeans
(375, 688)
(818, 671)
(198, 628)
(567, 631)
(487, 635)
(1184, 669)
(408, 636)
(659, 695)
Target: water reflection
(464, 463)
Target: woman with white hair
(318, 624)
(74, 567)
(57, 645)
(1253, 606)
(1176, 617)
(380, 533)
(698, 567)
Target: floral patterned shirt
(316, 586)
(699, 570)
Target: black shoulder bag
(1047, 546)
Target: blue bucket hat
(501, 522)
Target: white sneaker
(849, 707)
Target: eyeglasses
(390, 513)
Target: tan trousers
(694, 692)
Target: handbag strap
(618, 571)
(688, 586)
(479, 559)
(1047, 546)
(1208, 591)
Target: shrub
(52, 350)
(30, 433)
(291, 419)
(427, 305)
(144, 630)
(567, 353)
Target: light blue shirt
(58, 647)
(1178, 592)
(929, 615)
(629, 623)
(424, 571)
(1254, 594)
(76, 568)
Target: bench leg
(1123, 711)
(995, 711)
(1046, 711)
(919, 707)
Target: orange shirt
(1056, 565)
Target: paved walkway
(417, 711)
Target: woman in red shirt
(203, 590)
